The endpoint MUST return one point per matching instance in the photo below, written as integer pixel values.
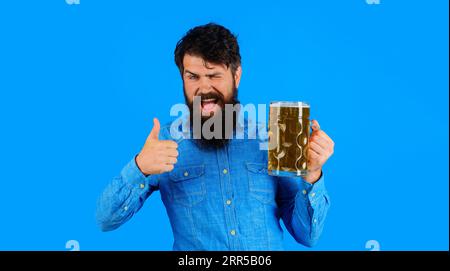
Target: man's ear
(237, 76)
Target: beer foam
(288, 104)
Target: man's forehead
(197, 64)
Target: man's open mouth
(209, 105)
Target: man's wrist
(137, 165)
(313, 176)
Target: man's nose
(205, 84)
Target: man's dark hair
(213, 43)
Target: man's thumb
(315, 125)
(155, 131)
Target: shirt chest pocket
(261, 185)
(188, 185)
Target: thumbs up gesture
(157, 156)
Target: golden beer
(289, 130)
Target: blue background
(80, 84)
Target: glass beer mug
(289, 130)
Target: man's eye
(192, 77)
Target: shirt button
(304, 192)
(225, 171)
(186, 174)
(315, 220)
(125, 208)
(142, 186)
(313, 194)
(233, 232)
(228, 202)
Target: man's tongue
(208, 107)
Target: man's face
(214, 83)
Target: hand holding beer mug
(293, 150)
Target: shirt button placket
(227, 197)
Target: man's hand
(157, 156)
(321, 147)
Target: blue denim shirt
(220, 199)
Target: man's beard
(226, 134)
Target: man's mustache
(211, 95)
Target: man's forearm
(123, 197)
(305, 219)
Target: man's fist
(321, 147)
(157, 156)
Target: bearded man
(216, 191)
